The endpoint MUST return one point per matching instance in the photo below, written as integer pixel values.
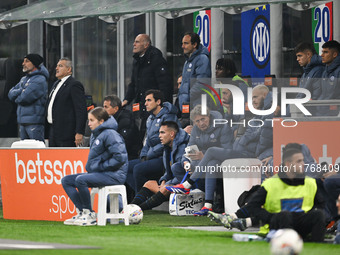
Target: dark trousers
(312, 222)
(332, 187)
(54, 142)
(139, 172)
(33, 131)
(77, 186)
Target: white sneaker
(74, 218)
(88, 218)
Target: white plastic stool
(28, 143)
(114, 215)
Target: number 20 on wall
(202, 27)
(322, 18)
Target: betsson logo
(45, 171)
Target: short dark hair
(335, 45)
(288, 154)
(99, 113)
(171, 124)
(301, 47)
(228, 65)
(290, 146)
(114, 100)
(157, 95)
(194, 38)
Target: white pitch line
(27, 246)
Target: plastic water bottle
(246, 238)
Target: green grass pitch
(153, 235)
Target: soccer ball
(135, 213)
(286, 242)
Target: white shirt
(53, 94)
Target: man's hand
(78, 139)
(196, 156)
(188, 129)
(328, 174)
(266, 160)
(162, 184)
(125, 102)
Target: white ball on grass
(286, 242)
(135, 213)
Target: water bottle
(246, 238)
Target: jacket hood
(41, 71)
(201, 50)
(167, 108)
(308, 158)
(181, 137)
(267, 103)
(110, 123)
(316, 60)
(336, 62)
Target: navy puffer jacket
(257, 141)
(196, 66)
(330, 87)
(311, 77)
(174, 154)
(30, 94)
(218, 136)
(107, 151)
(153, 147)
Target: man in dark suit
(66, 108)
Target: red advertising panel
(31, 182)
(321, 137)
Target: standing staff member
(66, 111)
(31, 94)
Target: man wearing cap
(66, 108)
(30, 94)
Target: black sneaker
(240, 224)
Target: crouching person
(174, 141)
(288, 199)
(106, 165)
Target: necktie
(54, 87)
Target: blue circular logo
(260, 42)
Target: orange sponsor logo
(31, 182)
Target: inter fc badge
(260, 41)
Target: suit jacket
(69, 111)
